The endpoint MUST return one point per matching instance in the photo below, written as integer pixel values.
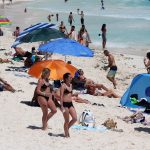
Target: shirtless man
(113, 68)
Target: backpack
(87, 119)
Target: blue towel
(99, 128)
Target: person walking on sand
(66, 103)
(103, 30)
(113, 68)
(44, 97)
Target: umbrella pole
(65, 58)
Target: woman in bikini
(62, 28)
(66, 103)
(103, 30)
(45, 97)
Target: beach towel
(100, 128)
(136, 117)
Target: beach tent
(140, 85)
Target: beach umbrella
(4, 21)
(58, 69)
(66, 47)
(30, 32)
(43, 34)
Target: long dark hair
(65, 76)
(148, 55)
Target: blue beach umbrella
(66, 47)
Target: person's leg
(66, 123)
(43, 104)
(20, 51)
(73, 114)
(111, 77)
(52, 107)
(110, 93)
(8, 87)
(80, 100)
(101, 86)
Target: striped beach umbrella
(4, 21)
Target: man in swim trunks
(113, 68)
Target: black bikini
(66, 91)
(43, 88)
(67, 104)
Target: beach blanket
(100, 128)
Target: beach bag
(87, 119)
(110, 124)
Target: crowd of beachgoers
(40, 112)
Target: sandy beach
(20, 126)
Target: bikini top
(44, 87)
(66, 91)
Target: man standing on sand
(113, 68)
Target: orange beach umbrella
(58, 69)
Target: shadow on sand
(142, 129)
(34, 127)
(56, 135)
(29, 103)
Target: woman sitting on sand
(66, 103)
(45, 97)
(93, 88)
(4, 86)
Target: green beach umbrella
(43, 34)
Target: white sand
(19, 123)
